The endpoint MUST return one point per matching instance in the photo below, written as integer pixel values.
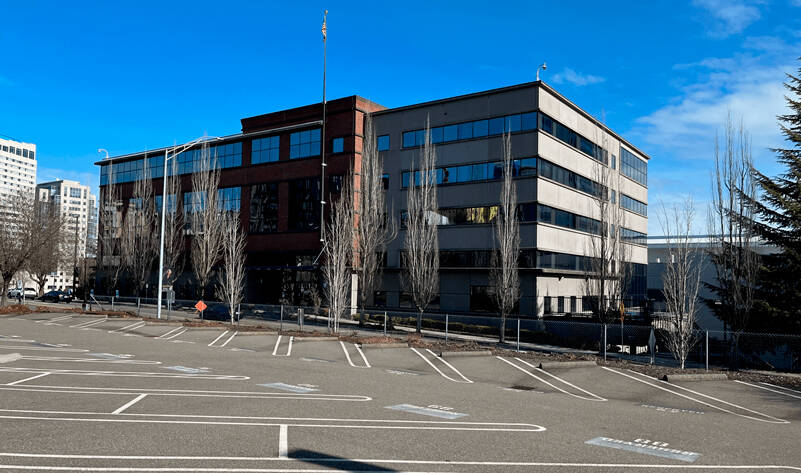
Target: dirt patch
(15, 309)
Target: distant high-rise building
(17, 167)
(78, 206)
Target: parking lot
(85, 393)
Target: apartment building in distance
(271, 171)
(78, 207)
(17, 167)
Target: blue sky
(128, 76)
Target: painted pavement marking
(439, 370)
(427, 411)
(289, 387)
(35, 348)
(91, 360)
(658, 449)
(316, 360)
(767, 418)
(129, 404)
(40, 375)
(187, 369)
(132, 326)
(10, 358)
(672, 410)
(283, 443)
(796, 396)
(404, 373)
(288, 350)
(347, 355)
(542, 380)
(89, 323)
(229, 340)
(135, 374)
(219, 337)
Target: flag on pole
(324, 29)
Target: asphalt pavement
(86, 393)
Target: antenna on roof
(542, 66)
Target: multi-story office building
(271, 171)
(78, 206)
(17, 167)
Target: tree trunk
(502, 337)
(419, 319)
(6, 283)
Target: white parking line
(347, 356)
(31, 348)
(278, 342)
(129, 404)
(229, 340)
(54, 319)
(91, 360)
(27, 379)
(769, 389)
(171, 331)
(88, 324)
(781, 387)
(542, 380)
(133, 326)
(366, 363)
(176, 334)
(215, 340)
(134, 374)
(438, 370)
(594, 396)
(283, 443)
(768, 418)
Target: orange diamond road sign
(201, 306)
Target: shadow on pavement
(334, 462)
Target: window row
(569, 178)
(303, 144)
(634, 205)
(529, 258)
(475, 172)
(633, 167)
(265, 150)
(570, 137)
(632, 236)
(564, 219)
(473, 129)
(19, 151)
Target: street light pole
(167, 157)
(75, 258)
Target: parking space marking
(171, 331)
(88, 324)
(40, 375)
(283, 443)
(288, 350)
(595, 397)
(229, 340)
(90, 360)
(176, 334)
(542, 380)
(134, 374)
(290, 387)
(129, 404)
(646, 448)
(466, 381)
(133, 326)
(781, 387)
(347, 355)
(219, 337)
(769, 389)
(767, 418)
(427, 411)
(54, 319)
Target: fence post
(385, 323)
(604, 342)
(518, 334)
(446, 327)
(621, 339)
(112, 303)
(281, 324)
(706, 344)
(138, 307)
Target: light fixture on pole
(542, 66)
(175, 152)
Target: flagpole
(323, 140)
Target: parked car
(29, 292)
(56, 296)
(218, 312)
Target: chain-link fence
(631, 341)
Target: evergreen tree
(778, 223)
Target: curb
(316, 339)
(454, 354)
(385, 345)
(695, 377)
(566, 364)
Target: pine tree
(778, 223)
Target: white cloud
(731, 16)
(795, 3)
(575, 78)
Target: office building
(271, 172)
(17, 167)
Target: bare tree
(110, 234)
(505, 272)
(46, 259)
(608, 264)
(231, 286)
(206, 219)
(338, 252)
(731, 223)
(375, 225)
(681, 279)
(421, 244)
(139, 244)
(25, 226)
(174, 243)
